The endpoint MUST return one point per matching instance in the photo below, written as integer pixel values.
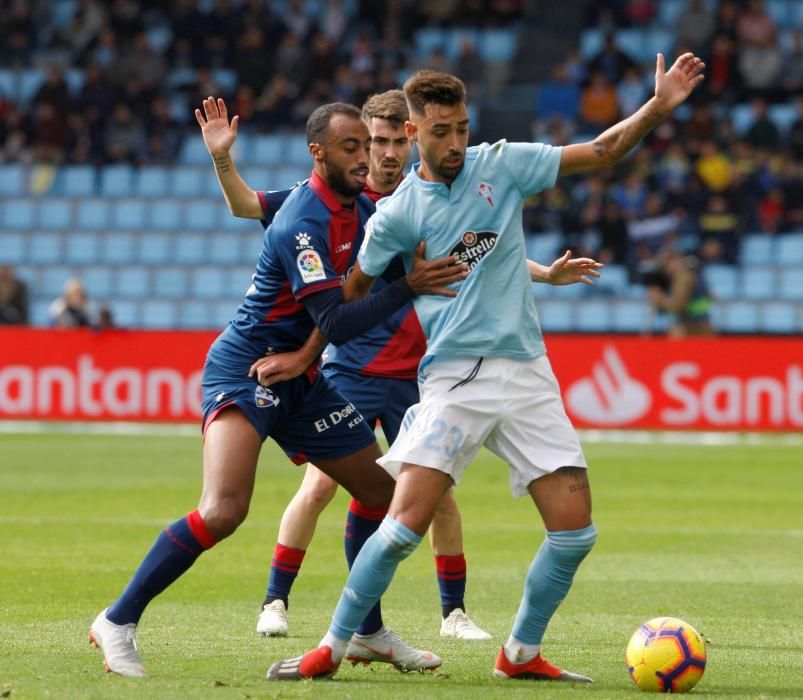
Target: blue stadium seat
(542, 291)
(187, 181)
(757, 282)
(126, 314)
(239, 281)
(297, 153)
(542, 247)
(658, 41)
(190, 248)
(194, 314)
(117, 181)
(592, 42)
(740, 317)
(226, 80)
(155, 248)
(594, 316)
(614, 281)
(455, 39)
(118, 248)
(780, 317)
(428, 40)
(39, 313)
(128, 214)
(201, 214)
(779, 11)
(159, 38)
(796, 14)
(52, 282)
(224, 249)
(92, 214)
(789, 249)
(82, 248)
(132, 282)
(556, 315)
(498, 45)
(170, 283)
(783, 116)
(18, 213)
(7, 83)
(158, 314)
(208, 283)
(571, 291)
(28, 82)
(722, 281)
(632, 42)
(289, 175)
(742, 117)
(12, 248)
(97, 282)
(631, 316)
(266, 149)
(152, 181)
(76, 181)
(12, 180)
(669, 12)
(165, 214)
(222, 312)
(45, 248)
(194, 152)
(757, 249)
(790, 284)
(251, 244)
(235, 223)
(55, 213)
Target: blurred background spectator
(72, 309)
(13, 298)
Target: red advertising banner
(607, 381)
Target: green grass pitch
(713, 535)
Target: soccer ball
(666, 655)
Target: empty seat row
(198, 180)
(493, 45)
(755, 282)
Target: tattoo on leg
(579, 476)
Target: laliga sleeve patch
(310, 266)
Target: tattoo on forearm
(222, 163)
(615, 143)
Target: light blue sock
(371, 574)
(549, 579)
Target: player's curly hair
(318, 121)
(431, 87)
(390, 106)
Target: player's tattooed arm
(219, 135)
(672, 87)
(280, 367)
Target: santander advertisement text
(607, 381)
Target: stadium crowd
(698, 182)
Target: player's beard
(339, 181)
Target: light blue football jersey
(479, 218)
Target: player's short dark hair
(390, 106)
(318, 121)
(431, 87)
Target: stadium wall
(616, 381)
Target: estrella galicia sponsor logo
(348, 412)
(474, 246)
(264, 397)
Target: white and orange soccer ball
(666, 655)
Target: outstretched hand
(433, 276)
(673, 86)
(218, 133)
(568, 270)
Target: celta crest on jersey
(310, 266)
(264, 397)
(486, 191)
(474, 246)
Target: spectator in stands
(793, 193)
(96, 91)
(558, 97)
(275, 105)
(163, 133)
(639, 13)
(470, 68)
(84, 28)
(695, 26)
(720, 223)
(105, 318)
(793, 68)
(655, 226)
(631, 92)
(50, 134)
(612, 62)
(20, 34)
(72, 309)
(599, 105)
(755, 27)
(13, 298)
(685, 295)
(713, 167)
(124, 139)
(722, 74)
(613, 237)
(763, 134)
(16, 137)
(54, 90)
(772, 211)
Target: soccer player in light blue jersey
(485, 378)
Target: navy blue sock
(283, 571)
(451, 570)
(361, 523)
(175, 551)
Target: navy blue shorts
(309, 420)
(376, 398)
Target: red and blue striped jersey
(310, 245)
(392, 348)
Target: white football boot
(118, 644)
(385, 646)
(272, 621)
(460, 626)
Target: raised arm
(219, 136)
(671, 89)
